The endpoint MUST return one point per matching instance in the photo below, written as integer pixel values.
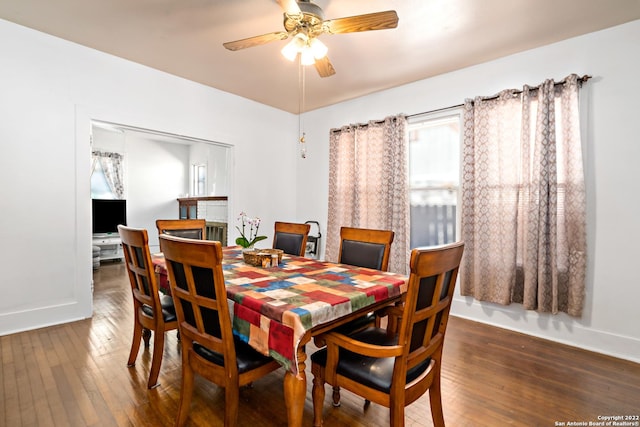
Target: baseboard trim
(559, 328)
(41, 317)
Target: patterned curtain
(523, 199)
(111, 164)
(368, 184)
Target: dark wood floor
(76, 375)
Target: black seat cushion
(247, 358)
(290, 243)
(362, 254)
(168, 309)
(369, 371)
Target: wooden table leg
(295, 390)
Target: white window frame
(435, 117)
(198, 184)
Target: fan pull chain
(301, 99)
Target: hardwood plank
(46, 358)
(10, 399)
(76, 375)
(23, 383)
(37, 382)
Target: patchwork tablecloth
(273, 307)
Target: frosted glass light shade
(310, 50)
(318, 48)
(307, 57)
(290, 51)
(297, 44)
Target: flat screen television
(107, 214)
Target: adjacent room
(324, 164)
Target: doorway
(158, 168)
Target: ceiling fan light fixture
(304, 22)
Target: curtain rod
(581, 80)
(376, 122)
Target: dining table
(279, 309)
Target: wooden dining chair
(369, 248)
(362, 247)
(291, 237)
(209, 347)
(395, 368)
(189, 228)
(153, 312)
(365, 247)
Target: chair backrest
(291, 237)
(135, 245)
(188, 228)
(199, 294)
(365, 247)
(425, 314)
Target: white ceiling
(184, 38)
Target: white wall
(157, 173)
(216, 159)
(50, 90)
(611, 319)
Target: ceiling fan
(304, 22)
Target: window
(107, 175)
(434, 177)
(199, 183)
(99, 187)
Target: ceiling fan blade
(324, 67)
(255, 41)
(290, 7)
(371, 21)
